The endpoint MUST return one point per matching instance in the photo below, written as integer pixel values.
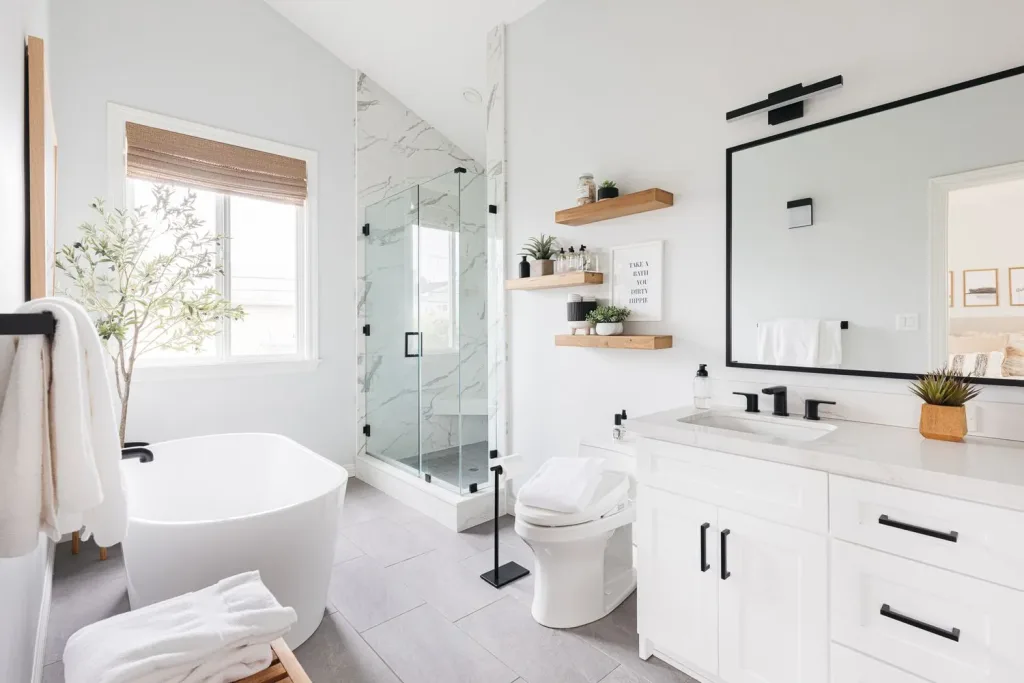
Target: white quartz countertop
(982, 470)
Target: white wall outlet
(907, 322)
(973, 417)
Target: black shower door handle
(416, 349)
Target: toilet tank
(618, 455)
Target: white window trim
(307, 357)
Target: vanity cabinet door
(773, 603)
(677, 601)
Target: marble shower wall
(397, 153)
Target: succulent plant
(539, 248)
(608, 314)
(608, 183)
(944, 388)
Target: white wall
(23, 580)
(240, 66)
(638, 92)
(986, 230)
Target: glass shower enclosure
(426, 355)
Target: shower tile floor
(406, 605)
(444, 464)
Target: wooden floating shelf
(624, 205)
(641, 342)
(574, 279)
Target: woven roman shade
(163, 156)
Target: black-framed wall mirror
(884, 243)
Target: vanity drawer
(973, 539)
(789, 495)
(905, 612)
(853, 667)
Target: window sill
(238, 368)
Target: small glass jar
(560, 261)
(586, 190)
(570, 261)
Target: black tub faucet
(781, 408)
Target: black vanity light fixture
(786, 104)
(801, 213)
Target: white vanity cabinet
(752, 607)
(812, 577)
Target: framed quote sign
(636, 271)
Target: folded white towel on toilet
(215, 635)
(563, 484)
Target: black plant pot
(607, 193)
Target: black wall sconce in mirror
(801, 213)
(786, 104)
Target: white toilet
(584, 561)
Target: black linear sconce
(801, 213)
(786, 104)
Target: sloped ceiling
(425, 52)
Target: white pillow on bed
(978, 364)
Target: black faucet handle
(752, 400)
(811, 408)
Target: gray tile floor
(406, 605)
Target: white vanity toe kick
(982, 470)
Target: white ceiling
(424, 52)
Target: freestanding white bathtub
(214, 506)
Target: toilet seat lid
(612, 491)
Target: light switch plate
(973, 417)
(907, 322)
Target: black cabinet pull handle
(725, 555)
(952, 634)
(704, 566)
(950, 536)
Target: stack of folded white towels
(216, 635)
(59, 439)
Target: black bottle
(524, 268)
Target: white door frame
(938, 247)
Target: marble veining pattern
(399, 160)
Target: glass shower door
(392, 357)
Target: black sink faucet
(781, 400)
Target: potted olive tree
(945, 395)
(608, 319)
(146, 276)
(541, 250)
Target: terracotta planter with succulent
(945, 394)
(541, 250)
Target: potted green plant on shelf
(608, 190)
(541, 250)
(945, 395)
(608, 319)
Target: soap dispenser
(702, 388)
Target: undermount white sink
(789, 429)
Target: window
(265, 215)
(436, 288)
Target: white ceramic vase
(609, 329)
